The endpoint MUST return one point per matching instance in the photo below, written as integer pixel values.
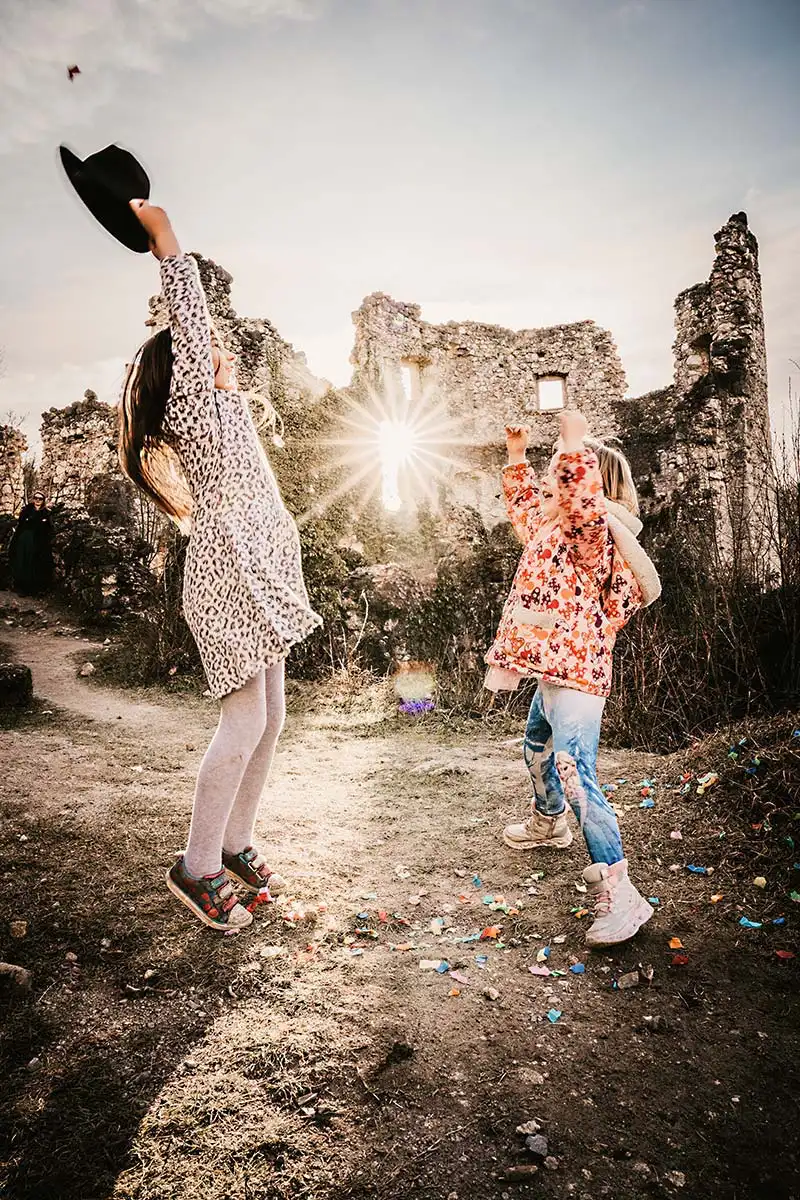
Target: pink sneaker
(619, 910)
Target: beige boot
(619, 910)
(539, 831)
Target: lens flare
(397, 445)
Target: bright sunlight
(396, 446)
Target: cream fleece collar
(625, 528)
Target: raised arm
(191, 406)
(581, 502)
(192, 367)
(520, 488)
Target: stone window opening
(411, 380)
(699, 358)
(551, 392)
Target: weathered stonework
(266, 365)
(482, 377)
(698, 447)
(12, 477)
(79, 453)
(699, 444)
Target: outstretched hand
(574, 428)
(517, 442)
(156, 224)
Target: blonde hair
(615, 470)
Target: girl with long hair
(581, 578)
(188, 441)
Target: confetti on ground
(553, 1015)
(577, 968)
(675, 944)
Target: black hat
(105, 182)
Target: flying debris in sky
(73, 71)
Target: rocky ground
(150, 1059)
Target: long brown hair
(145, 457)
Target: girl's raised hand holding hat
(156, 224)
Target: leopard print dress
(244, 597)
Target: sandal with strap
(211, 898)
(249, 868)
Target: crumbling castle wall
(12, 478)
(266, 364)
(698, 446)
(701, 448)
(479, 378)
(79, 453)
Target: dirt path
(155, 1061)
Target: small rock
(551, 1163)
(537, 1145)
(641, 1168)
(86, 669)
(629, 980)
(71, 956)
(520, 1174)
(676, 1178)
(491, 993)
(16, 685)
(34, 1064)
(656, 1024)
(18, 929)
(529, 1128)
(15, 978)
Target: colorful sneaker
(210, 898)
(619, 910)
(539, 831)
(249, 868)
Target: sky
(521, 162)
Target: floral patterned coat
(573, 590)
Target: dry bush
(723, 644)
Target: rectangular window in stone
(552, 392)
(411, 380)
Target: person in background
(581, 578)
(30, 553)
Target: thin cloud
(108, 39)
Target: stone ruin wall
(266, 364)
(13, 448)
(705, 434)
(484, 377)
(702, 439)
(79, 452)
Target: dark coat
(30, 555)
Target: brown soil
(154, 1060)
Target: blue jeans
(560, 749)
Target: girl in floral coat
(582, 576)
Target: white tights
(234, 770)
